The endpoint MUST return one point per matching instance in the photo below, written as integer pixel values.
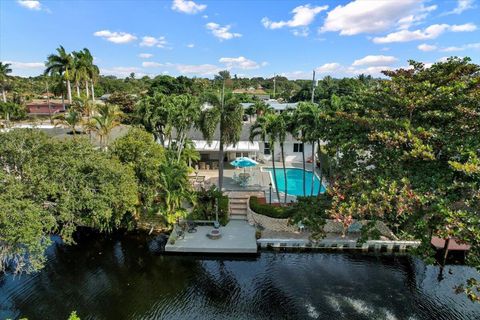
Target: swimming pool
(295, 181)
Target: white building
(258, 150)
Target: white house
(257, 149)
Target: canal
(128, 277)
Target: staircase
(238, 206)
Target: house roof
(195, 134)
(274, 104)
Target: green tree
(225, 112)
(139, 150)
(4, 71)
(11, 110)
(61, 63)
(107, 118)
(70, 119)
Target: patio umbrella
(244, 162)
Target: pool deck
(237, 237)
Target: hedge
(268, 210)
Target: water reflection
(126, 277)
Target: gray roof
(196, 134)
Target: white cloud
(115, 37)
(202, 69)
(462, 5)
(430, 32)
(190, 45)
(467, 27)
(145, 55)
(372, 60)
(426, 47)
(25, 65)
(151, 64)
(461, 48)
(222, 32)
(363, 16)
(30, 4)
(149, 41)
(302, 16)
(328, 67)
(302, 32)
(187, 6)
(122, 71)
(294, 75)
(239, 63)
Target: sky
(249, 38)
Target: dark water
(128, 278)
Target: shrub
(268, 210)
(205, 207)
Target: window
(266, 148)
(297, 147)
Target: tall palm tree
(94, 73)
(297, 129)
(308, 123)
(61, 63)
(154, 114)
(265, 127)
(107, 118)
(185, 116)
(71, 119)
(81, 67)
(4, 71)
(281, 127)
(226, 112)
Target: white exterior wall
(290, 156)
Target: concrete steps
(238, 206)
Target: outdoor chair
(191, 226)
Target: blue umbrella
(243, 162)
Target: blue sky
(250, 38)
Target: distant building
(42, 107)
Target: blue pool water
(295, 181)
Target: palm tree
(4, 71)
(307, 120)
(70, 119)
(261, 108)
(297, 130)
(58, 87)
(94, 73)
(61, 63)
(265, 127)
(226, 112)
(281, 126)
(174, 186)
(81, 67)
(185, 115)
(107, 117)
(154, 114)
